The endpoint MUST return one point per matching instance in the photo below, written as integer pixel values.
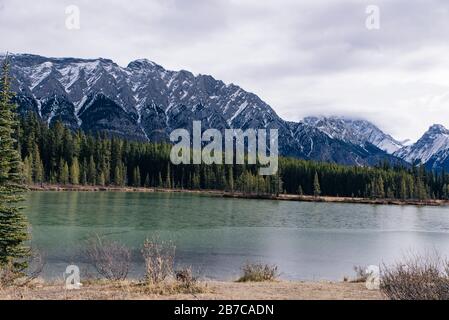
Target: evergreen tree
(75, 172)
(168, 184)
(231, 179)
(91, 171)
(64, 172)
(118, 179)
(101, 180)
(84, 173)
(28, 170)
(147, 182)
(136, 177)
(159, 181)
(316, 185)
(403, 189)
(38, 166)
(13, 224)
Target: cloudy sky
(314, 57)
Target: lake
(216, 236)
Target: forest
(56, 155)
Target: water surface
(308, 241)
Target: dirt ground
(211, 291)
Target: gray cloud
(302, 57)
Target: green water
(215, 236)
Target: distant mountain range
(144, 101)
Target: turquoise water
(308, 241)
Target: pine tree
(84, 173)
(168, 183)
(64, 172)
(28, 170)
(118, 176)
(38, 166)
(101, 180)
(147, 182)
(159, 181)
(445, 192)
(316, 186)
(75, 172)
(136, 177)
(13, 224)
(91, 171)
(196, 182)
(231, 179)
(403, 189)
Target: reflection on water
(216, 235)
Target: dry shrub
(110, 258)
(257, 272)
(417, 278)
(361, 274)
(159, 256)
(9, 276)
(187, 281)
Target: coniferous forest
(56, 155)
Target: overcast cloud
(302, 57)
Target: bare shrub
(110, 258)
(257, 272)
(7, 276)
(361, 274)
(10, 277)
(159, 256)
(417, 278)
(187, 280)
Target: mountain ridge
(144, 101)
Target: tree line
(54, 154)
(14, 252)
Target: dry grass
(127, 290)
(257, 272)
(170, 288)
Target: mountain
(357, 132)
(144, 101)
(432, 150)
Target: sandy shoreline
(282, 197)
(214, 290)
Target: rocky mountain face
(146, 102)
(357, 132)
(432, 150)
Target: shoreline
(240, 195)
(212, 290)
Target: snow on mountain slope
(144, 101)
(433, 142)
(358, 132)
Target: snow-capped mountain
(144, 101)
(354, 131)
(432, 149)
